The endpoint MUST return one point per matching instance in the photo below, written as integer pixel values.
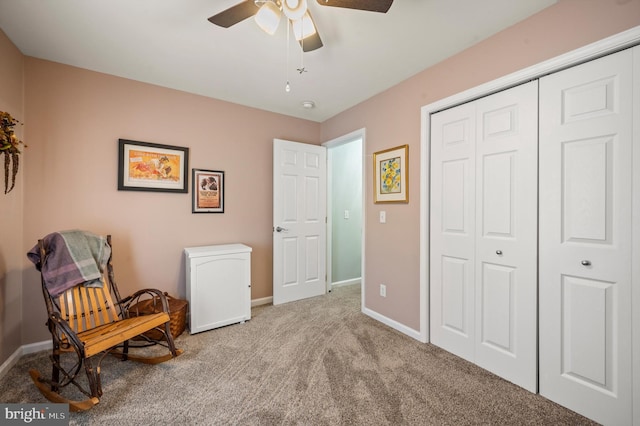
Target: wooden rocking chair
(88, 322)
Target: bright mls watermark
(34, 414)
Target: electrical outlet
(346, 214)
(383, 290)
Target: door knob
(280, 229)
(586, 262)
(499, 252)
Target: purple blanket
(73, 257)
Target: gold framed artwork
(208, 191)
(391, 175)
(145, 166)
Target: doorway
(345, 210)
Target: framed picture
(391, 175)
(145, 166)
(208, 191)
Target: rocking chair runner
(87, 322)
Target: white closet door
(453, 230)
(483, 233)
(506, 234)
(585, 238)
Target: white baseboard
(10, 362)
(23, 350)
(394, 324)
(269, 300)
(263, 301)
(36, 347)
(352, 281)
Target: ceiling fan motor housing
(261, 2)
(294, 9)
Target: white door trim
(341, 140)
(600, 48)
(635, 244)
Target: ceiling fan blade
(235, 14)
(313, 41)
(381, 6)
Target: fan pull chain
(287, 87)
(302, 68)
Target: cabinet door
(220, 293)
(585, 238)
(506, 286)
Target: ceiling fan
(268, 13)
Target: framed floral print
(391, 175)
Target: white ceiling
(170, 43)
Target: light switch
(383, 217)
(346, 214)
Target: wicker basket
(177, 314)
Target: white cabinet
(218, 285)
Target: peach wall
(11, 224)
(393, 118)
(75, 120)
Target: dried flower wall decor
(9, 146)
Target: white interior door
(299, 220)
(484, 231)
(585, 238)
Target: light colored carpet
(318, 361)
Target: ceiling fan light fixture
(268, 17)
(294, 9)
(303, 27)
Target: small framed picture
(208, 191)
(391, 175)
(146, 166)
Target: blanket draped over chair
(75, 257)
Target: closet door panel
(497, 294)
(498, 196)
(585, 237)
(452, 231)
(506, 234)
(588, 175)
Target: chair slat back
(88, 307)
(85, 307)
